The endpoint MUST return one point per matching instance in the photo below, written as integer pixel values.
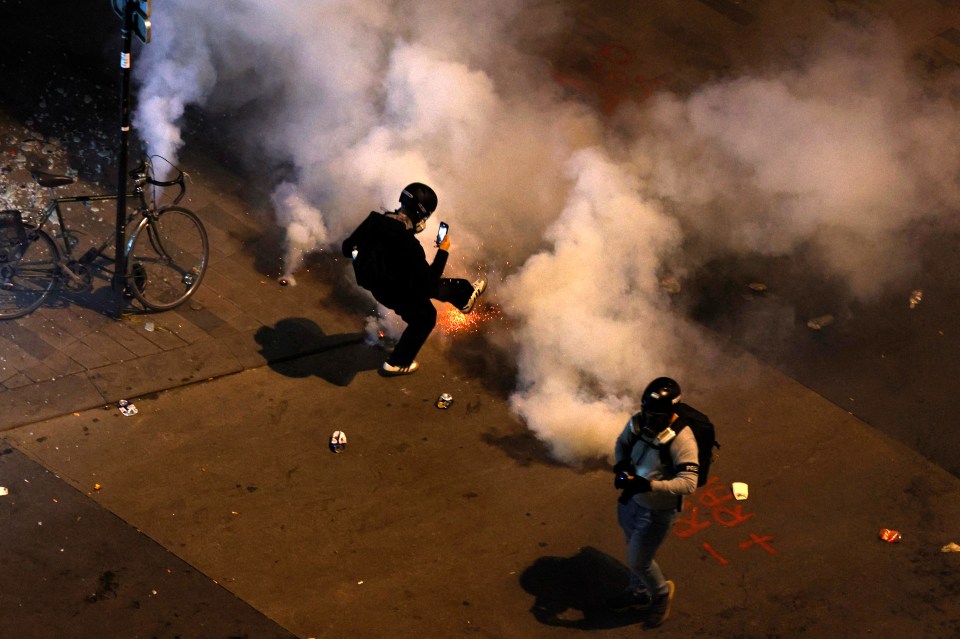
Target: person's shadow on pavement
(570, 591)
(298, 347)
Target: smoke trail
(844, 152)
(579, 212)
(587, 306)
(304, 224)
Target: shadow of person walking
(298, 347)
(570, 591)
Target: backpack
(703, 431)
(372, 263)
(370, 267)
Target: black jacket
(393, 260)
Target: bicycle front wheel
(166, 258)
(25, 283)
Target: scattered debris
(4, 491)
(891, 536)
(951, 547)
(97, 486)
(819, 322)
(149, 327)
(444, 400)
(915, 298)
(338, 441)
(740, 490)
(127, 408)
(757, 287)
(670, 284)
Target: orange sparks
(453, 322)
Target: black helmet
(418, 201)
(658, 403)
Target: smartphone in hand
(442, 233)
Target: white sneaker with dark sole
(479, 286)
(390, 370)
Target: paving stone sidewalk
(74, 353)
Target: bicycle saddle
(50, 179)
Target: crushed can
(670, 284)
(444, 400)
(338, 441)
(891, 536)
(819, 322)
(126, 408)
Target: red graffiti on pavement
(689, 526)
(763, 542)
(613, 78)
(712, 497)
(711, 504)
(713, 553)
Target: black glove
(637, 485)
(623, 466)
(631, 485)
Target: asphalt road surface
(218, 510)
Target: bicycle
(167, 249)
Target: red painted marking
(611, 80)
(713, 553)
(759, 541)
(647, 87)
(567, 81)
(616, 53)
(713, 493)
(689, 526)
(713, 496)
(730, 517)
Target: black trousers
(416, 309)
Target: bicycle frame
(66, 235)
(167, 244)
(67, 242)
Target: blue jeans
(645, 530)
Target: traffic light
(141, 16)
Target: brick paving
(72, 353)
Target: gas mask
(654, 428)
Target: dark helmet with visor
(418, 202)
(659, 403)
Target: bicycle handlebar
(142, 175)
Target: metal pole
(120, 261)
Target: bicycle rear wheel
(25, 283)
(166, 258)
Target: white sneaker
(479, 286)
(390, 370)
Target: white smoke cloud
(181, 72)
(844, 152)
(579, 211)
(304, 224)
(587, 306)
